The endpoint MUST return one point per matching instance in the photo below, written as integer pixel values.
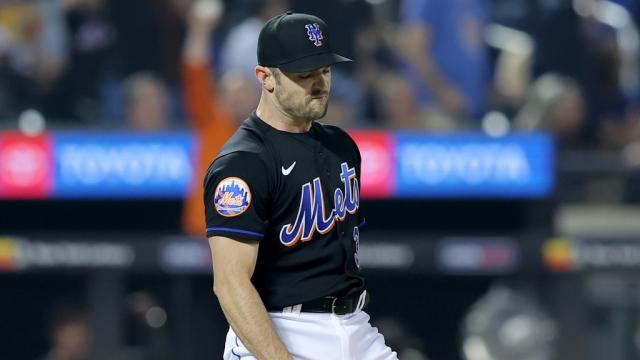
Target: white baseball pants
(320, 336)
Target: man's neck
(278, 119)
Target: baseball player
(283, 213)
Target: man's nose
(319, 83)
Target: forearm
(249, 319)
(199, 89)
(196, 45)
(429, 73)
(414, 44)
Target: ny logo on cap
(315, 34)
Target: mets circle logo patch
(232, 197)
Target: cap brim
(313, 62)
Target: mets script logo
(315, 34)
(311, 212)
(232, 197)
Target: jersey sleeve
(236, 194)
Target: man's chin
(319, 113)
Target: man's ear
(266, 77)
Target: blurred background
(501, 172)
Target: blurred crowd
(567, 66)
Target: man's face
(303, 95)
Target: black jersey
(298, 194)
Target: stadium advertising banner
(25, 166)
(473, 166)
(413, 165)
(377, 149)
(96, 165)
(123, 165)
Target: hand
(451, 100)
(205, 14)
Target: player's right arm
(233, 265)
(236, 200)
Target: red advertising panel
(26, 166)
(378, 167)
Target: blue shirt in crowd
(457, 47)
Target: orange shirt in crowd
(212, 126)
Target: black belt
(336, 305)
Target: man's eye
(304, 76)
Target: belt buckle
(333, 305)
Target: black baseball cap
(296, 42)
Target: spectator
(445, 55)
(238, 53)
(146, 102)
(76, 96)
(609, 104)
(397, 103)
(374, 54)
(33, 52)
(214, 112)
(69, 335)
(554, 103)
(149, 36)
(32, 38)
(579, 40)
